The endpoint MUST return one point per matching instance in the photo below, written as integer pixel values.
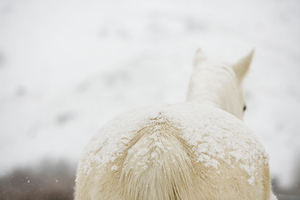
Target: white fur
(182, 151)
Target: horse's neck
(216, 90)
(204, 98)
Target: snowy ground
(66, 67)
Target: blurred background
(68, 66)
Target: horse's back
(179, 151)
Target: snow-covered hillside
(67, 67)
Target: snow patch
(115, 167)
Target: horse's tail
(157, 165)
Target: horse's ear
(199, 57)
(242, 66)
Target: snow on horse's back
(198, 149)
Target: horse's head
(219, 84)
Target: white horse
(186, 151)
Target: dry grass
(49, 181)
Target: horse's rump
(163, 161)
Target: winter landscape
(67, 67)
